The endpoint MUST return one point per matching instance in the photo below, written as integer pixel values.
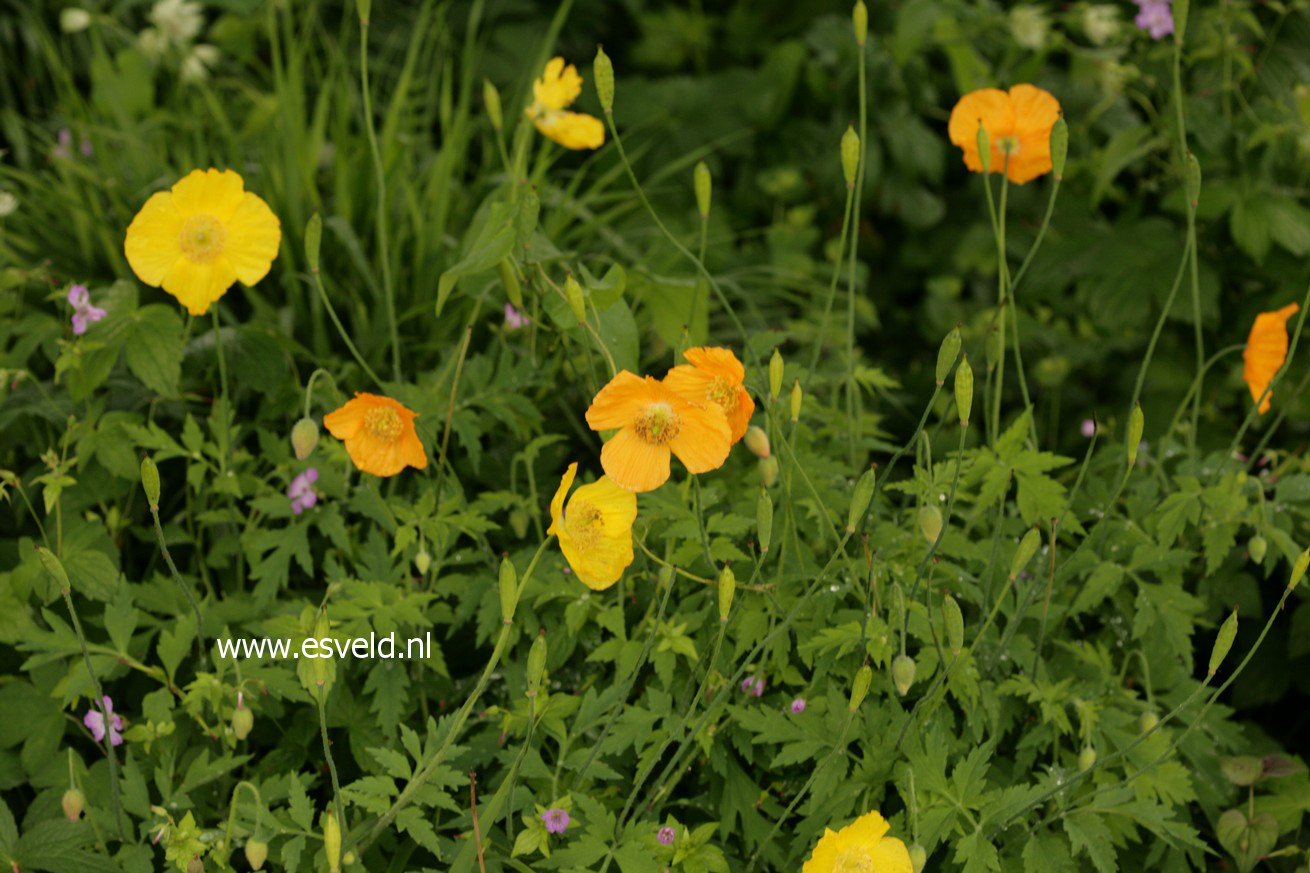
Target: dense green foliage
(1082, 720)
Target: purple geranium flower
(1155, 17)
(84, 314)
(667, 835)
(798, 706)
(556, 820)
(301, 493)
(1089, 427)
(515, 319)
(95, 723)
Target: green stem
(177, 577)
(1191, 239)
(852, 396)
(232, 814)
(321, 696)
(341, 330)
(222, 380)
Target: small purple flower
(1089, 427)
(798, 706)
(515, 319)
(84, 314)
(1155, 17)
(95, 723)
(556, 820)
(64, 149)
(667, 835)
(301, 493)
(758, 688)
(747, 684)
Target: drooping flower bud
(797, 396)
(256, 853)
(573, 293)
(757, 441)
(1059, 147)
(947, 354)
(1086, 759)
(1027, 548)
(1136, 422)
(74, 801)
(536, 663)
(964, 390)
(1223, 642)
(860, 23)
(860, 687)
(903, 670)
(332, 841)
(422, 561)
(1298, 569)
(195, 865)
(603, 70)
(954, 621)
(150, 481)
(1148, 721)
(764, 520)
(850, 155)
(510, 279)
(304, 438)
(491, 100)
(509, 589)
(1256, 548)
(703, 184)
(860, 499)
(775, 375)
(727, 588)
(313, 241)
(242, 720)
(930, 522)
(769, 472)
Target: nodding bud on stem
(727, 588)
(509, 589)
(918, 858)
(903, 670)
(536, 663)
(775, 375)
(764, 520)
(1298, 569)
(573, 293)
(1027, 548)
(954, 620)
(758, 442)
(491, 100)
(1223, 642)
(1086, 759)
(860, 22)
(947, 354)
(930, 522)
(984, 148)
(1059, 147)
(313, 241)
(422, 561)
(54, 567)
(860, 499)
(510, 279)
(256, 853)
(797, 395)
(304, 438)
(1136, 422)
(197, 865)
(332, 841)
(603, 70)
(964, 390)
(74, 801)
(850, 155)
(703, 184)
(1193, 181)
(243, 720)
(769, 472)
(1256, 548)
(860, 687)
(150, 481)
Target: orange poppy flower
(715, 376)
(1266, 349)
(1018, 125)
(654, 422)
(379, 434)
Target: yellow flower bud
(491, 100)
(573, 292)
(954, 620)
(332, 841)
(1027, 548)
(704, 188)
(1086, 759)
(510, 279)
(860, 687)
(764, 520)
(930, 522)
(947, 354)
(536, 663)
(1223, 642)
(757, 441)
(964, 390)
(775, 375)
(918, 858)
(903, 670)
(796, 397)
(860, 499)
(1136, 422)
(509, 589)
(422, 561)
(1298, 569)
(256, 853)
(242, 722)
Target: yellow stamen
(854, 861)
(203, 237)
(658, 424)
(724, 393)
(383, 423)
(585, 524)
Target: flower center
(854, 861)
(383, 423)
(203, 237)
(658, 424)
(1008, 145)
(724, 393)
(584, 524)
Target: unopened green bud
(509, 589)
(918, 858)
(536, 663)
(1086, 759)
(332, 841)
(510, 279)
(1148, 721)
(947, 354)
(769, 472)
(573, 293)
(727, 588)
(796, 397)
(984, 148)
(850, 155)
(775, 375)
(1243, 770)
(1059, 147)
(1027, 548)
(363, 7)
(1298, 569)
(603, 70)
(860, 499)
(195, 865)
(518, 522)
(243, 720)
(1180, 10)
(860, 687)
(54, 567)
(1223, 642)
(74, 801)
(758, 442)
(993, 347)
(903, 670)
(860, 23)
(703, 184)
(764, 520)
(964, 390)
(304, 438)
(150, 481)
(954, 620)
(256, 853)
(422, 561)
(930, 522)
(313, 240)
(1136, 423)
(491, 100)
(1193, 181)
(1256, 548)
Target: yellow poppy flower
(715, 376)
(860, 847)
(595, 529)
(1018, 124)
(379, 434)
(557, 88)
(655, 422)
(1266, 349)
(200, 237)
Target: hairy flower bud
(930, 522)
(1148, 721)
(1086, 759)
(422, 561)
(860, 23)
(775, 375)
(603, 70)
(903, 670)
(491, 100)
(964, 390)
(1223, 642)
(727, 588)
(1059, 147)
(242, 722)
(954, 620)
(1256, 548)
(195, 865)
(860, 499)
(150, 481)
(509, 589)
(1298, 569)
(850, 155)
(860, 687)
(332, 841)
(1136, 423)
(256, 853)
(797, 395)
(74, 801)
(704, 187)
(304, 438)
(1027, 548)
(947, 354)
(769, 472)
(764, 520)
(573, 293)
(757, 441)
(536, 663)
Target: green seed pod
(195, 865)
(1086, 759)
(796, 397)
(422, 561)
(313, 240)
(1193, 181)
(363, 7)
(764, 520)
(322, 630)
(1180, 10)
(509, 589)
(332, 841)
(860, 499)
(603, 70)
(903, 670)
(242, 722)
(491, 100)
(860, 23)
(930, 522)
(775, 375)
(54, 567)
(536, 663)
(518, 522)
(256, 853)
(918, 858)
(1223, 642)
(1059, 147)
(1148, 721)
(703, 184)
(1256, 547)
(757, 441)
(1298, 569)
(769, 472)
(727, 588)
(1027, 548)
(74, 801)
(954, 620)
(947, 354)
(860, 687)
(850, 155)
(964, 390)
(304, 439)
(1136, 423)
(150, 481)
(510, 279)
(984, 148)
(993, 347)
(573, 292)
